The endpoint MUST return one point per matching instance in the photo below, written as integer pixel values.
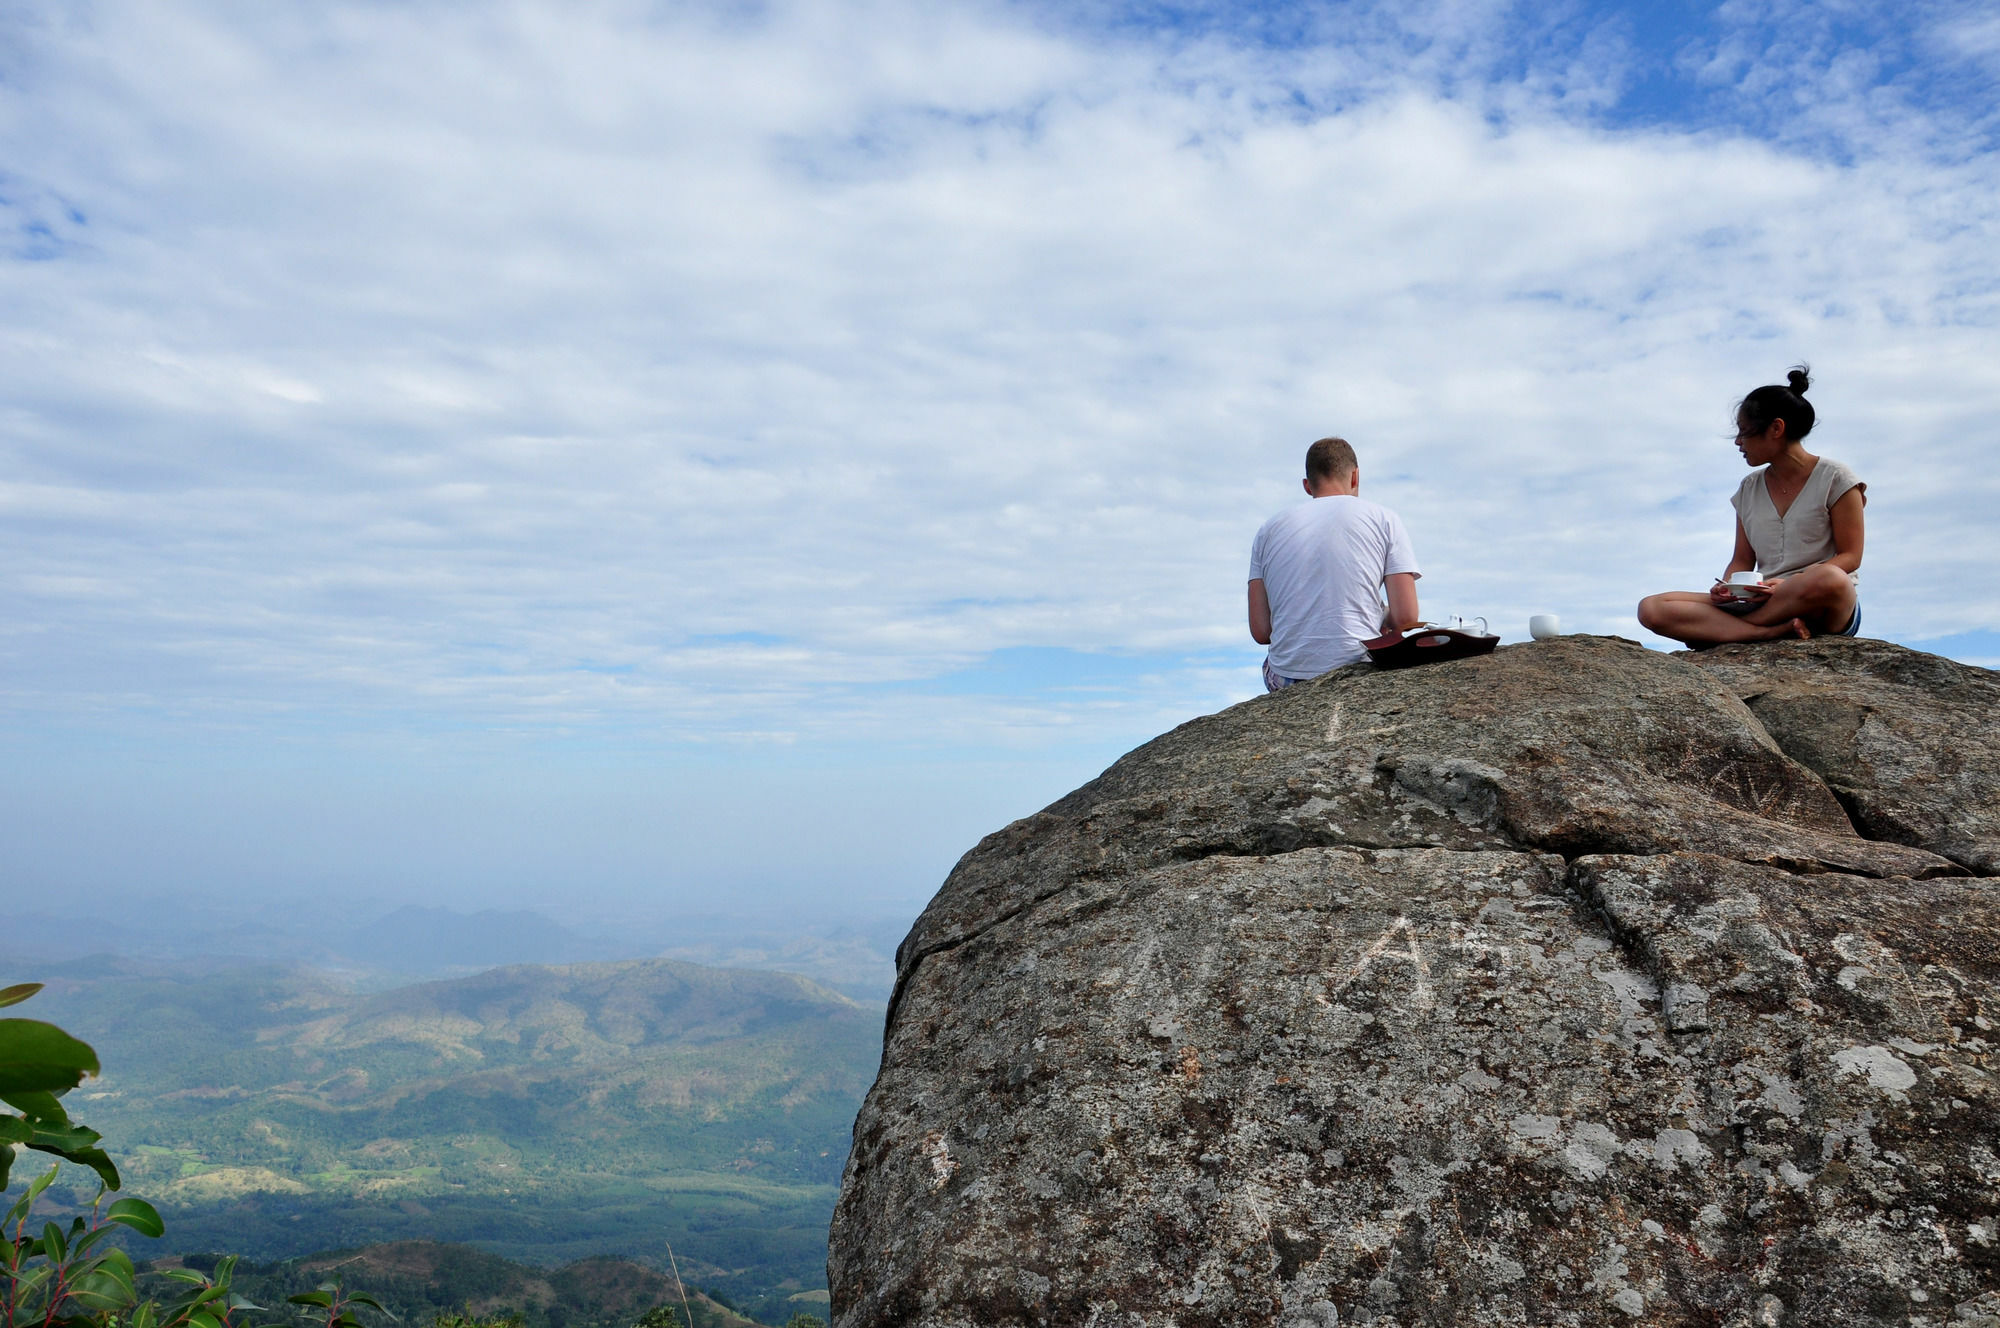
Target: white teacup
(1743, 585)
(1544, 625)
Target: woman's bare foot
(1800, 630)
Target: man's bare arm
(1260, 614)
(1403, 613)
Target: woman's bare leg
(1690, 617)
(1821, 597)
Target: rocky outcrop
(1907, 741)
(1576, 984)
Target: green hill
(545, 1114)
(419, 1280)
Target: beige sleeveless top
(1804, 534)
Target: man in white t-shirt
(1318, 571)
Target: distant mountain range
(426, 940)
(407, 940)
(545, 1113)
(416, 941)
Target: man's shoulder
(1296, 514)
(1374, 511)
(1356, 513)
(1348, 509)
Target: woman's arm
(1745, 557)
(1845, 514)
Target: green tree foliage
(701, 1313)
(467, 1319)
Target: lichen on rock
(1550, 987)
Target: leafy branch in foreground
(208, 1301)
(60, 1276)
(336, 1306)
(57, 1275)
(38, 1064)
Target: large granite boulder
(1553, 987)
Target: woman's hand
(1723, 595)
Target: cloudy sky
(672, 455)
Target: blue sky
(640, 456)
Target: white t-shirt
(1322, 565)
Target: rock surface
(1552, 987)
(1907, 741)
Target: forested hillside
(419, 1281)
(546, 1114)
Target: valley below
(655, 1110)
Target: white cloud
(705, 374)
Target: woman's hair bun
(1771, 402)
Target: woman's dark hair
(1788, 403)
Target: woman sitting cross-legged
(1798, 522)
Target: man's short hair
(1330, 459)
